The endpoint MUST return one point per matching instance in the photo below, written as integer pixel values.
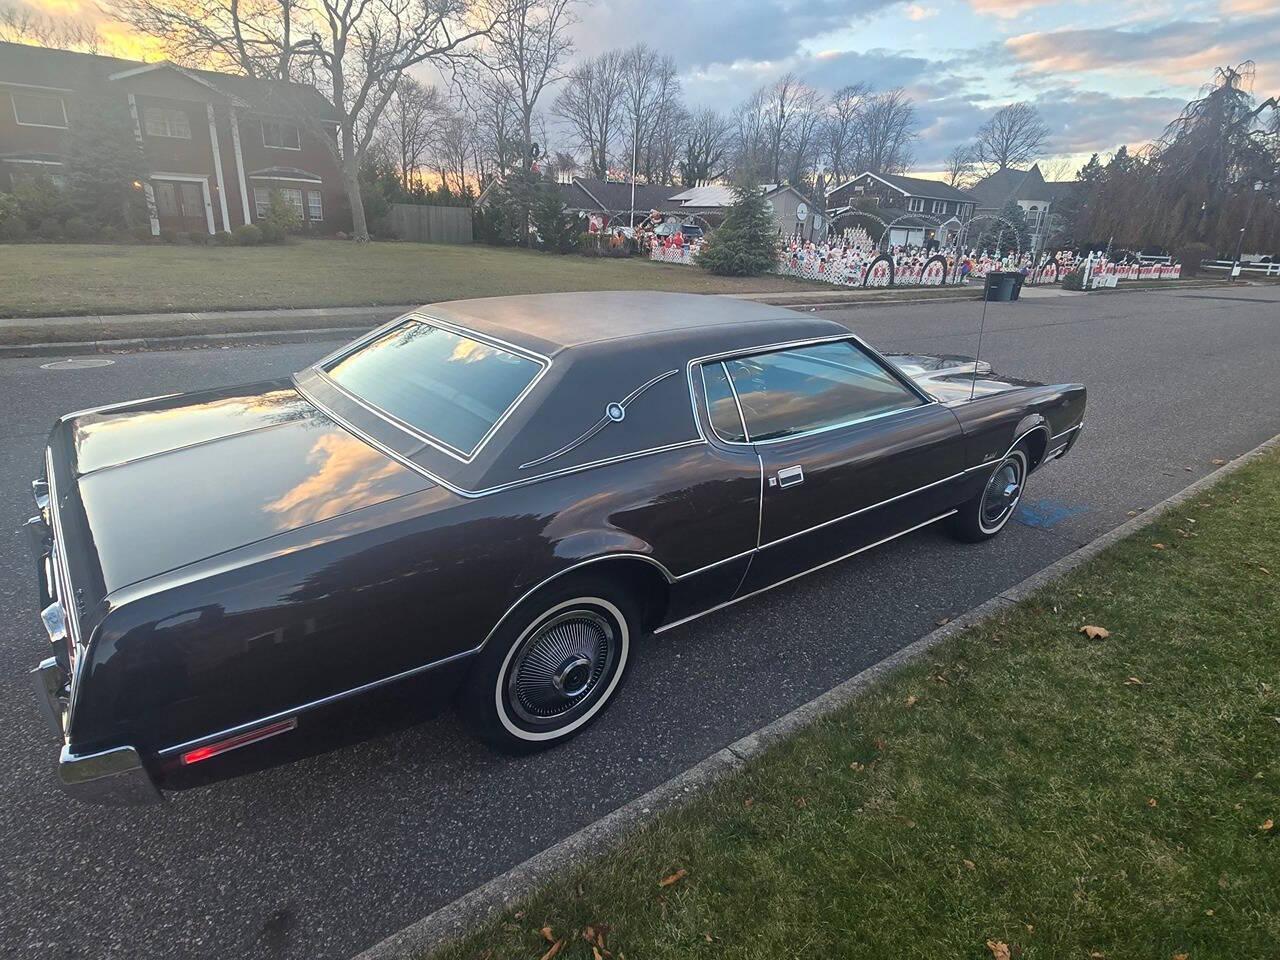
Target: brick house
(216, 144)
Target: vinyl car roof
(549, 323)
(618, 347)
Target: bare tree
(497, 117)
(649, 97)
(960, 166)
(887, 130)
(841, 132)
(802, 147)
(355, 51)
(527, 49)
(20, 23)
(1013, 136)
(590, 104)
(706, 147)
(410, 125)
(785, 103)
(749, 135)
(454, 146)
(661, 152)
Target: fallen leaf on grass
(750, 802)
(1096, 954)
(1181, 956)
(1266, 825)
(595, 953)
(555, 948)
(1151, 801)
(548, 935)
(1095, 633)
(1188, 469)
(1265, 570)
(856, 766)
(912, 700)
(879, 744)
(1132, 682)
(709, 938)
(1157, 546)
(969, 865)
(673, 878)
(801, 802)
(999, 949)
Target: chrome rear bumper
(114, 777)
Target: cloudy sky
(1101, 73)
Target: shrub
(50, 229)
(247, 235)
(78, 228)
(223, 238)
(108, 233)
(1074, 280)
(1190, 255)
(142, 234)
(13, 230)
(281, 219)
(589, 244)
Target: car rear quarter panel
(391, 588)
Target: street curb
(79, 347)
(457, 918)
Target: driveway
(325, 856)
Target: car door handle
(790, 476)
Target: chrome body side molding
(614, 413)
(754, 593)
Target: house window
(281, 135)
(915, 205)
(164, 122)
(262, 199)
(39, 110)
(315, 206)
(939, 206)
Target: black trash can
(999, 287)
(1018, 278)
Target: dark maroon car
(500, 495)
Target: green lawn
(1060, 796)
(64, 279)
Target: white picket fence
(1256, 269)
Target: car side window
(788, 392)
(725, 419)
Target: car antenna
(973, 382)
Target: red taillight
(240, 740)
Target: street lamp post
(1235, 264)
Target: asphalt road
(325, 856)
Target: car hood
(150, 486)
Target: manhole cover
(77, 363)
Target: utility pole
(1235, 264)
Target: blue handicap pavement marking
(1046, 513)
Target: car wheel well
(643, 581)
(1035, 442)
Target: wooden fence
(424, 224)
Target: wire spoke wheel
(561, 666)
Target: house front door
(180, 206)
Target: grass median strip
(1095, 773)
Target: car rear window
(447, 386)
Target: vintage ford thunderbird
(502, 494)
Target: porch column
(235, 142)
(217, 169)
(148, 191)
(208, 205)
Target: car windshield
(447, 386)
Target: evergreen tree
(746, 243)
(104, 163)
(999, 239)
(555, 229)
